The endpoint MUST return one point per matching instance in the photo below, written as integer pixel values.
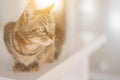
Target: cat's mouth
(47, 43)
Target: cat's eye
(42, 29)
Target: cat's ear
(49, 8)
(29, 9)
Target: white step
(73, 53)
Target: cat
(34, 38)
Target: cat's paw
(50, 60)
(56, 56)
(34, 67)
(19, 67)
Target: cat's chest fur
(31, 47)
(40, 53)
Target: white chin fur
(43, 43)
(47, 43)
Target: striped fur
(33, 39)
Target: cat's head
(37, 26)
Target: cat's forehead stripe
(42, 19)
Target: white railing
(61, 67)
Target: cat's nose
(52, 37)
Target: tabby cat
(34, 38)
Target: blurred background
(86, 19)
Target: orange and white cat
(34, 38)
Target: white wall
(8, 10)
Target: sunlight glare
(45, 3)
